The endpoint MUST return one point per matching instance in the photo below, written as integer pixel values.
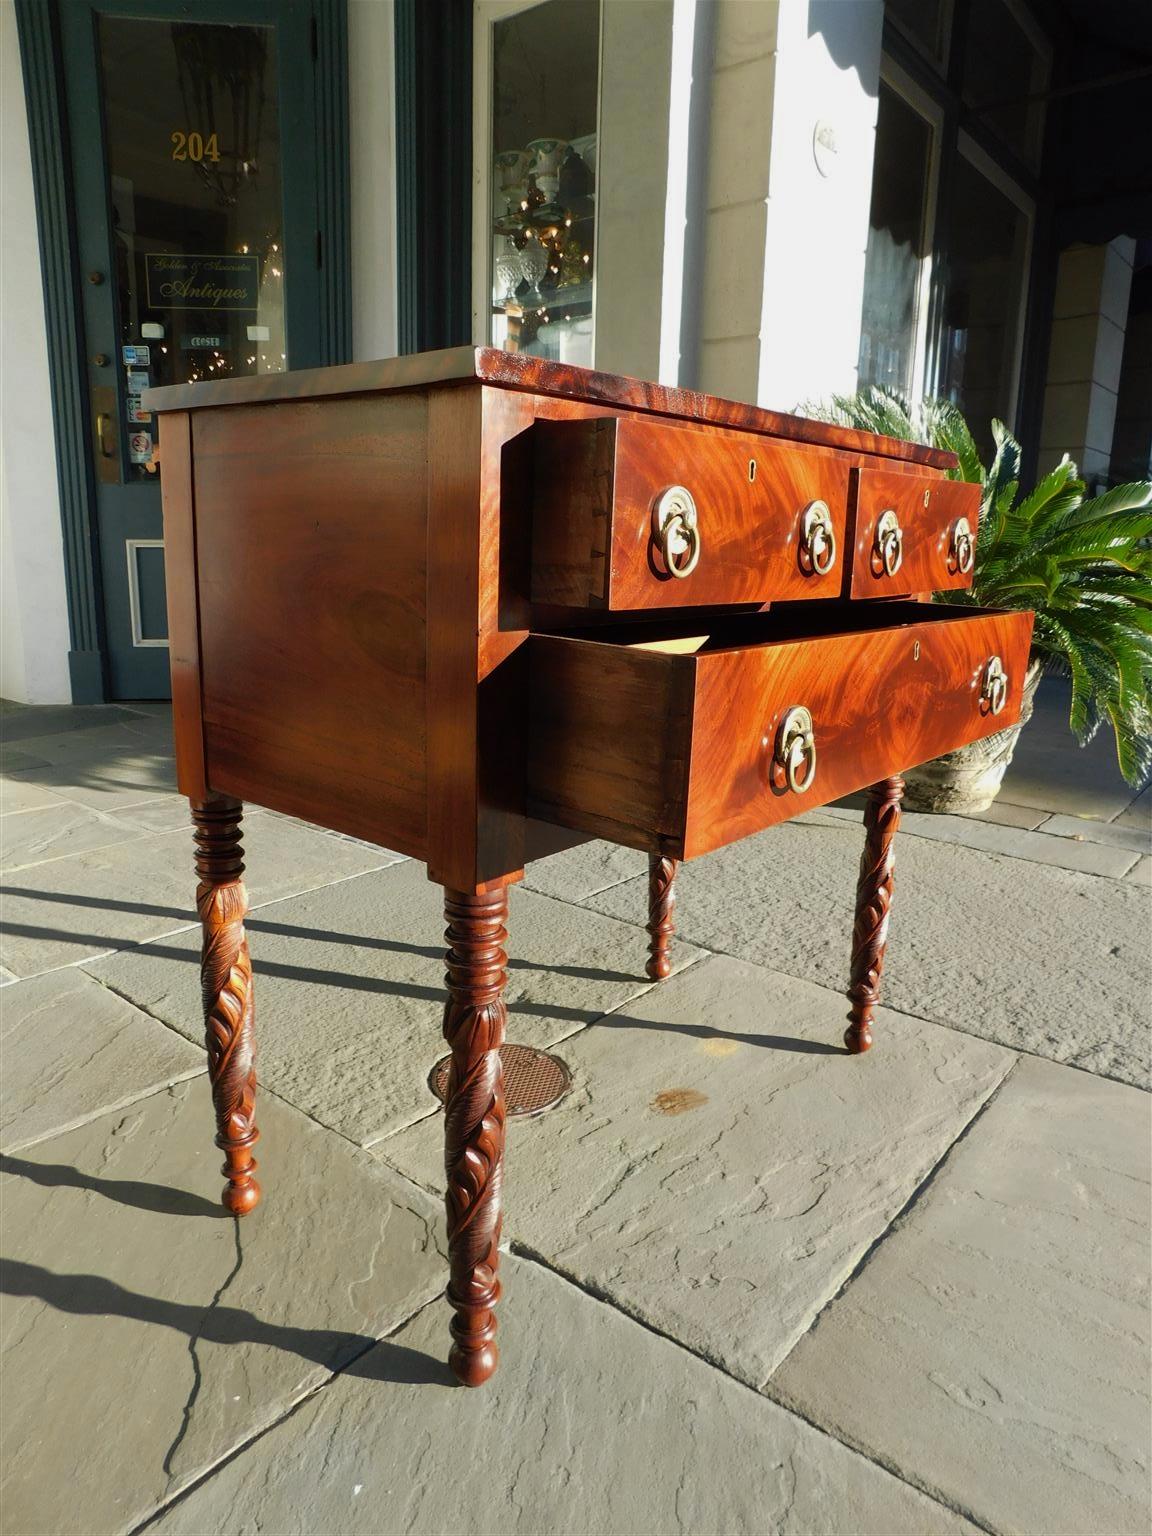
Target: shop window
(987, 240)
(543, 166)
(1006, 68)
(946, 271)
(898, 261)
(925, 23)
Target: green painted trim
(433, 41)
(333, 200)
(40, 54)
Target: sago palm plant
(1083, 564)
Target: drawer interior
(687, 635)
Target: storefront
(767, 199)
(181, 155)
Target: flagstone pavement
(751, 1284)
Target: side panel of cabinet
(311, 548)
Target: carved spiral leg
(661, 901)
(873, 900)
(226, 983)
(474, 1017)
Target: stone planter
(968, 781)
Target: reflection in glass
(1003, 69)
(193, 151)
(545, 77)
(897, 246)
(987, 244)
(925, 22)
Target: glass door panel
(194, 169)
(543, 166)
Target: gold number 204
(195, 147)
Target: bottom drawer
(679, 742)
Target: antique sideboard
(479, 607)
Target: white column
(33, 598)
(792, 129)
(372, 177)
(827, 72)
(1089, 316)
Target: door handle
(104, 448)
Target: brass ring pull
(994, 689)
(817, 539)
(795, 750)
(674, 522)
(889, 546)
(963, 551)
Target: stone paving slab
(146, 1334)
(1005, 814)
(350, 990)
(1141, 871)
(74, 908)
(72, 1049)
(1000, 813)
(723, 1163)
(103, 782)
(108, 743)
(591, 1426)
(1090, 852)
(52, 831)
(995, 1346)
(1138, 814)
(1039, 959)
(16, 760)
(23, 795)
(1117, 834)
(28, 721)
(170, 813)
(1051, 772)
(580, 872)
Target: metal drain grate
(533, 1080)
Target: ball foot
(858, 1040)
(472, 1368)
(239, 1199)
(659, 968)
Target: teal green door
(196, 159)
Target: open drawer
(633, 514)
(680, 742)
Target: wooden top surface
(510, 370)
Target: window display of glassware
(543, 248)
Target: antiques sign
(202, 282)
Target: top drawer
(911, 533)
(634, 514)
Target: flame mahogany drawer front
(681, 745)
(911, 533)
(380, 579)
(621, 505)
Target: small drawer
(680, 743)
(911, 533)
(633, 514)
